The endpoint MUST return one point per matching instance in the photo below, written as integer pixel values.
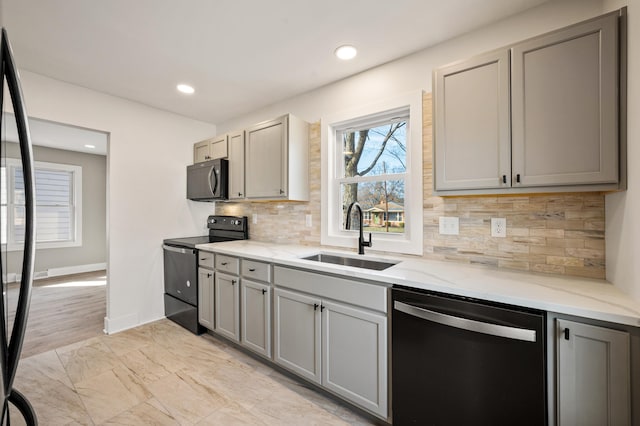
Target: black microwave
(208, 181)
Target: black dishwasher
(461, 361)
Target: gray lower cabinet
(593, 372)
(341, 347)
(354, 351)
(205, 297)
(227, 305)
(256, 316)
(297, 336)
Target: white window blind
(58, 212)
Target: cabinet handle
(264, 291)
(566, 334)
(239, 194)
(518, 178)
(281, 191)
(315, 306)
(224, 263)
(209, 274)
(504, 179)
(321, 308)
(233, 282)
(252, 269)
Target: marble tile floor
(160, 374)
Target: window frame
(332, 234)
(76, 205)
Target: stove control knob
(212, 221)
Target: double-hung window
(373, 156)
(58, 205)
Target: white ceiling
(240, 55)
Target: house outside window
(373, 155)
(58, 205)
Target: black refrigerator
(12, 330)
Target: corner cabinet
(540, 115)
(593, 375)
(341, 346)
(277, 160)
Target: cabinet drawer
(205, 259)
(227, 264)
(372, 296)
(256, 270)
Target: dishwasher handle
(467, 324)
(178, 249)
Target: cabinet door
(236, 165)
(354, 355)
(218, 147)
(593, 375)
(256, 316)
(297, 333)
(266, 159)
(205, 297)
(472, 133)
(201, 152)
(227, 305)
(565, 106)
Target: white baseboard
(78, 269)
(126, 322)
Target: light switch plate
(308, 221)
(449, 225)
(254, 216)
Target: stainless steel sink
(376, 265)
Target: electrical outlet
(308, 221)
(449, 225)
(498, 227)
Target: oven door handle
(178, 249)
(467, 324)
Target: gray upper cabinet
(236, 165)
(472, 139)
(537, 116)
(565, 106)
(277, 160)
(593, 375)
(210, 149)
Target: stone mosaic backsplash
(550, 233)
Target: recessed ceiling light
(185, 88)
(346, 52)
(89, 146)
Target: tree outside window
(373, 173)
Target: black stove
(181, 268)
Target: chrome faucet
(361, 242)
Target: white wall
(623, 209)
(148, 152)
(414, 72)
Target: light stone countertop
(589, 298)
